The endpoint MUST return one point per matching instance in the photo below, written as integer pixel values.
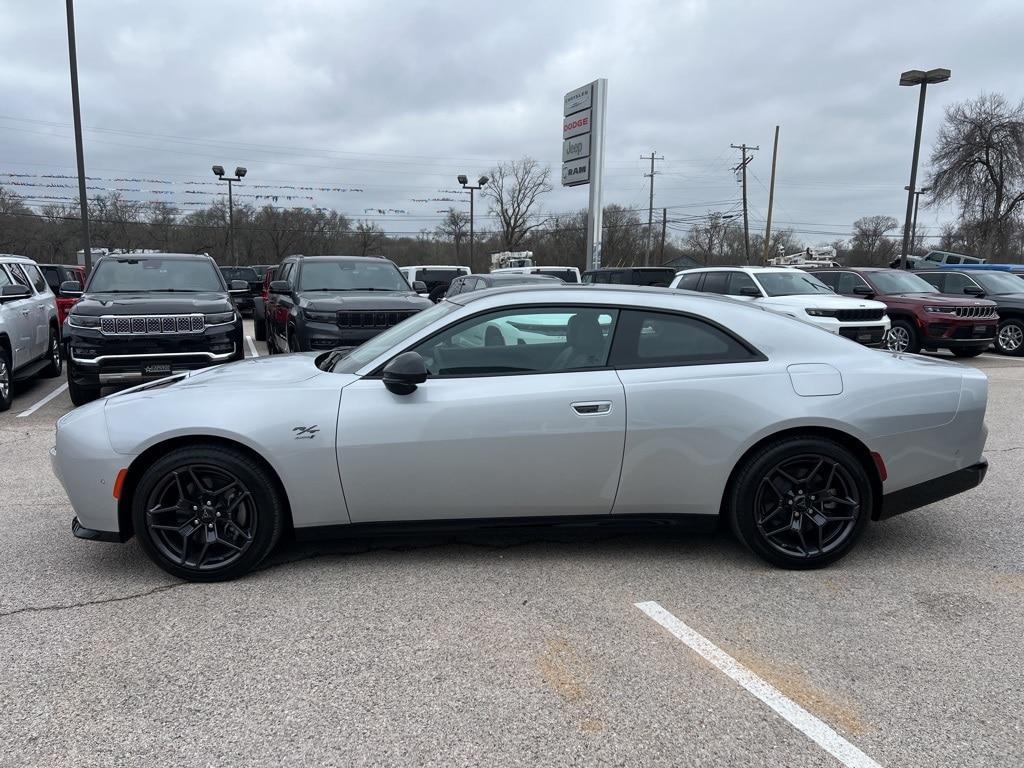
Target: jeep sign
(576, 148)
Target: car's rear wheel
(969, 352)
(207, 513)
(54, 355)
(800, 502)
(1010, 337)
(5, 379)
(902, 337)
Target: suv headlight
(941, 310)
(76, 320)
(319, 317)
(821, 312)
(219, 318)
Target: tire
(902, 337)
(970, 352)
(6, 376)
(55, 355)
(204, 489)
(259, 329)
(1010, 337)
(80, 393)
(763, 504)
(293, 343)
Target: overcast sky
(389, 101)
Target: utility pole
(771, 199)
(913, 227)
(79, 152)
(650, 207)
(218, 171)
(664, 226)
(742, 167)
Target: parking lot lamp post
(913, 226)
(464, 181)
(922, 78)
(218, 171)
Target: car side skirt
(929, 492)
(617, 523)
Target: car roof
(516, 277)
(336, 257)
(432, 266)
(857, 269)
(625, 269)
(747, 269)
(596, 294)
(16, 258)
(138, 256)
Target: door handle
(26, 312)
(595, 408)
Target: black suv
(146, 316)
(324, 302)
(656, 276)
(250, 277)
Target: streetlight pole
(464, 181)
(218, 171)
(917, 202)
(79, 152)
(910, 78)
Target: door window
(52, 275)
(4, 278)
(37, 278)
(847, 282)
(935, 279)
(286, 271)
(715, 282)
(955, 283)
(663, 339)
(689, 282)
(533, 340)
(738, 281)
(19, 275)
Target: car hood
(356, 300)
(935, 299)
(1016, 299)
(151, 303)
(822, 301)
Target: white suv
(29, 332)
(795, 293)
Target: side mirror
(280, 286)
(751, 291)
(973, 290)
(419, 286)
(863, 290)
(71, 288)
(14, 292)
(404, 372)
(238, 287)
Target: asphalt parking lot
(516, 648)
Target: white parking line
(252, 346)
(816, 730)
(40, 403)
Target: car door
(525, 428)
(689, 386)
(25, 315)
(45, 308)
(277, 310)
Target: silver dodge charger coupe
(550, 403)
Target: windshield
(392, 337)
(131, 275)
(900, 282)
(369, 275)
(998, 282)
(793, 283)
(240, 273)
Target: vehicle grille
(870, 335)
(151, 325)
(371, 319)
(975, 311)
(860, 315)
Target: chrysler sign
(581, 98)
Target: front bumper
(870, 333)
(922, 494)
(950, 333)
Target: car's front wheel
(1010, 337)
(5, 379)
(80, 393)
(902, 337)
(207, 513)
(54, 355)
(800, 502)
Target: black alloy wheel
(207, 513)
(5, 380)
(55, 356)
(801, 502)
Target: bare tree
(623, 237)
(705, 238)
(978, 161)
(514, 191)
(368, 238)
(870, 245)
(454, 228)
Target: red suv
(921, 317)
(259, 305)
(56, 274)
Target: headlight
(319, 317)
(821, 312)
(83, 321)
(219, 318)
(941, 310)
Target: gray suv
(29, 331)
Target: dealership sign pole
(583, 153)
